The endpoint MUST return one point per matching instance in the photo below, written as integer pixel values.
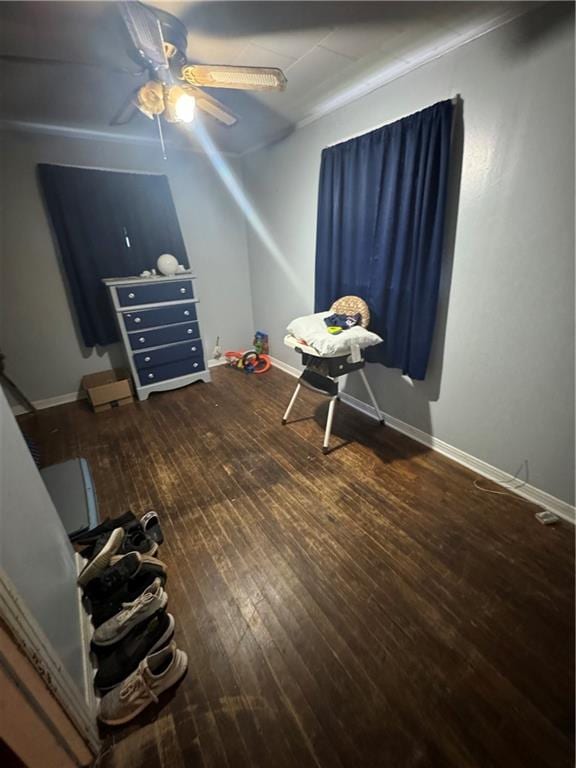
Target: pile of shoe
(123, 591)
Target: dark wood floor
(366, 608)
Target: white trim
(41, 654)
(92, 134)
(400, 67)
(143, 307)
(73, 132)
(212, 363)
(49, 402)
(529, 492)
(395, 70)
(289, 369)
(138, 279)
(72, 397)
(86, 632)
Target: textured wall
(501, 382)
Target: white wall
(35, 552)
(44, 352)
(501, 381)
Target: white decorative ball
(167, 264)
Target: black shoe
(123, 658)
(120, 583)
(151, 525)
(135, 540)
(106, 527)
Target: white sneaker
(102, 559)
(154, 675)
(152, 600)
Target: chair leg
(371, 394)
(291, 403)
(325, 448)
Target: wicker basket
(350, 305)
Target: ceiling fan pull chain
(158, 122)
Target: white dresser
(159, 326)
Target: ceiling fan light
(180, 105)
(185, 108)
(150, 99)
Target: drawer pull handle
(189, 330)
(131, 295)
(182, 290)
(141, 339)
(150, 375)
(147, 359)
(187, 312)
(137, 319)
(192, 349)
(195, 365)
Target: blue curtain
(381, 207)
(107, 224)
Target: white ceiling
(324, 48)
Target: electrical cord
(514, 478)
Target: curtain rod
(454, 101)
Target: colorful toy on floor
(249, 361)
(260, 343)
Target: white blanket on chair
(311, 331)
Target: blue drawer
(170, 370)
(149, 318)
(173, 290)
(169, 354)
(161, 336)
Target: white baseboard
(529, 492)
(71, 397)
(50, 402)
(289, 369)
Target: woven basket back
(350, 305)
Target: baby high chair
(321, 372)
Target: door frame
(39, 652)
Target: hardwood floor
(366, 608)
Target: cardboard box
(107, 388)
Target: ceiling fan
(174, 89)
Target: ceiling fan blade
(211, 106)
(145, 32)
(11, 58)
(238, 78)
(126, 112)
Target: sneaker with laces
(155, 674)
(118, 661)
(101, 560)
(122, 582)
(152, 600)
(135, 539)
